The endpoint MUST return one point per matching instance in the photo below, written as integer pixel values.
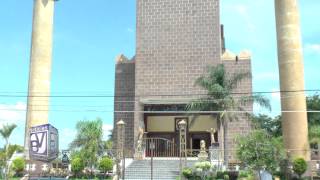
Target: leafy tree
(220, 87)
(299, 166)
(313, 104)
(5, 132)
(105, 164)
(314, 136)
(269, 124)
(88, 141)
(77, 165)
(18, 166)
(260, 151)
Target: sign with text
(44, 143)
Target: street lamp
(120, 147)
(182, 133)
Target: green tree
(313, 104)
(259, 151)
(314, 136)
(77, 165)
(105, 165)
(299, 166)
(220, 98)
(18, 166)
(5, 132)
(88, 141)
(269, 124)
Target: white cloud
(106, 130)
(12, 113)
(312, 48)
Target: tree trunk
(6, 169)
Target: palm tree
(88, 141)
(5, 133)
(220, 98)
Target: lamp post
(152, 147)
(182, 141)
(120, 148)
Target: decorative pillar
(120, 148)
(40, 67)
(183, 144)
(290, 59)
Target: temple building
(175, 42)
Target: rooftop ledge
(121, 59)
(230, 56)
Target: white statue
(212, 131)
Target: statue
(203, 155)
(202, 145)
(139, 148)
(140, 139)
(212, 132)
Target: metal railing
(160, 147)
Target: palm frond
(258, 99)
(7, 130)
(235, 79)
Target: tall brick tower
(40, 66)
(176, 40)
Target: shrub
(299, 166)
(105, 164)
(18, 166)
(226, 177)
(77, 165)
(187, 173)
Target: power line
(160, 112)
(156, 95)
(182, 100)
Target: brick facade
(176, 41)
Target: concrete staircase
(164, 169)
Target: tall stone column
(290, 59)
(40, 66)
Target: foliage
(313, 104)
(187, 173)
(260, 151)
(201, 170)
(248, 175)
(220, 98)
(108, 144)
(269, 124)
(299, 166)
(105, 164)
(14, 148)
(220, 87)
(77, 165)
(88, 141)
(5, 132)
(314, 135)
(18, 165)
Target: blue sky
(88, 35)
